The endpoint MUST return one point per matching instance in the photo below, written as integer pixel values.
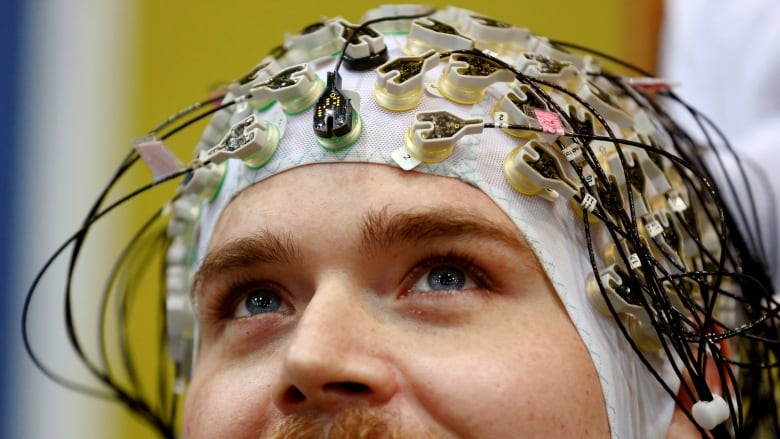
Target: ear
(682, 427)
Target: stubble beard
(351, 423)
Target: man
(454, 228)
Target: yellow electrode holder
(433, 134)
(237, 92)
(467, 75)
(252, 140)
(533, 169)
(400, 10)
(605, 105)
(519, 103)
(399, 82)
(623, 298)
(316, 42)
(217, 125)
(543, 67)
(488, 33)
(204, 181)
(262, 72)
(179, 275)
(429, 33)
(366, 49)
(296, 88)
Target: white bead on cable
(710, 414)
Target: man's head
(409, 293)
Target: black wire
(193, 120)
(702, 389)
(129, 294)
(103, 307)
(135, 406)
(130, 159)
(365, 24)
(698, 116)
(757, 240)
(185, 112)
(603, 55)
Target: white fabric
(726, 56)
(637, 406)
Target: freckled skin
(491, 361)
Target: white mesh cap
(637, 405)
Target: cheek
(536, 379)
(229, 400)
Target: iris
(446, 278)
(262, 301)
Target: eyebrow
(380, 229)
(261, 247)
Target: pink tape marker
(158, 158)
(549, 121)
(651, 84)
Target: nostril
(347, 387)
(293, 395)
(331, 393)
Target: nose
(334, 358)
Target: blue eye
(260, 302)
(444, 278)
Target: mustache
(350, 423)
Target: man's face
(335, 286)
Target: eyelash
(463, 261)
(236, 290)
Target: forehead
(320, 195)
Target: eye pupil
(446, 278)
(262, 302)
